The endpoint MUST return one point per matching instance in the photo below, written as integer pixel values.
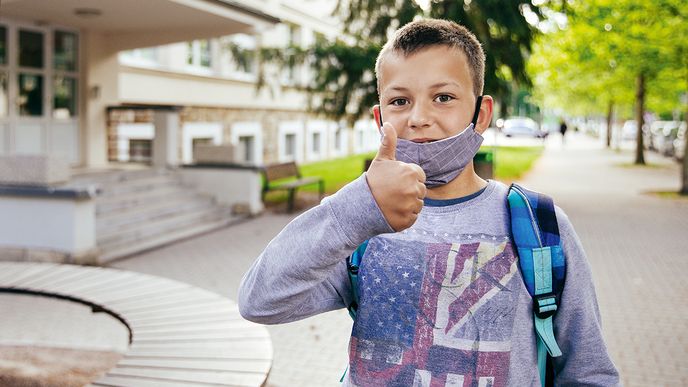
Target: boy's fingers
(388, 145)
(420, 173)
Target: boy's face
(428, 95)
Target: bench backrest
(281, 171)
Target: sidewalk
(637, 247)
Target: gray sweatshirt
(441, 303)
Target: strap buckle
(545, 305)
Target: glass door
(30, 126)
(39, 82)
(4, 92)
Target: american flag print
(435, 314)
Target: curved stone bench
(179, 335)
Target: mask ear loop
(478, 102)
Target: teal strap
(542, 360)
(545, 332)
(544, 306)
(542, 264)
(341, 380)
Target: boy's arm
(585, 360)
(302, 271)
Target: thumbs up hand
(398, 187)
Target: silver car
(522, 126)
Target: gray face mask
(442, 160)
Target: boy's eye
(399, 102)
(444, 98)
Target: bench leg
(290, 201)
(321, 188)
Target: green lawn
(511, 163)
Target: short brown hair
(420, 34)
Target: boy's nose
(419, 117)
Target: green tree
(344, 84)
(611, 48)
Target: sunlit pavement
(635, 243)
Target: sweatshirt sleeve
(585, 360)
(302, 271)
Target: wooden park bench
(179, 335)
(275, 174)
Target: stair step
(135, 186)
(126, 248)
(120, 221)
(150, 227)
(130, 201)
(104, 178)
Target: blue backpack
(535, 233)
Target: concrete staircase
(143, 209)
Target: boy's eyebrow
(442, 84)
(433, 86)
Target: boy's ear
(485, 115)
(378, 116)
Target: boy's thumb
(388, 143)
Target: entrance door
(38, 91)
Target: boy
(442, 301)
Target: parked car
(652, 138)
(680, 142)
(665, 144)
(629, 130)
(522, 126)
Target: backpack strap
(353, 262)
(543, 266)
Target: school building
(90, 88)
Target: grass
(674, 195)
(511, 163)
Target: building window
(316, 143)
(31, 49)
(199, 53)
(338, 139)
(30, 95)
(140, 150)
(65, 51)
(242, 48)
(3, 45)
(4, 100)
(290, 145)
(64, 101)
(246, 146)
(147, 57)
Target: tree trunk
(684, 179)
(610, 112)
(640, 108)
(684, 170)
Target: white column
(166, 141)
(99, 89)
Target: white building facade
(220, 102)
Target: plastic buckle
(545, 305)
(353, 269)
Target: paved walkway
(637, 247)
(635, 242)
